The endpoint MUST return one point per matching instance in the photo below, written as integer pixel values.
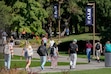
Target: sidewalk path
(92, 65)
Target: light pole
(59, 17)
(93, 6)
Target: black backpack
(97, 46)
(52, 51)
(40, 51)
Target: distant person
(4, 36)
(45, 40)
(73, 48)
(27, 53)
(98, 48)
(42, 51)
(107, 46)
(88, 50)
(54, 55)
(67, 31)
(51, 43)
(7, 54)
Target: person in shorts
(98, 48)
(27, 53)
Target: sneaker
(98, 61)
(42, 68)
(89, 61)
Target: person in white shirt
(4, 35)
(27, 53)
(51, 42)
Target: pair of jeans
(7, 60)
(73, 60)
(88, 53)
(43, 61)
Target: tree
(28, 15)
(5, 15)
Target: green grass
(85, 36)
(22, 64)
(93, 71)
(36, 63)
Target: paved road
(92, 65)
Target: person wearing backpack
(98, 48)
(73, 48)
(7, 54)
(54, 55)
(42, 51)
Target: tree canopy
(37, 15)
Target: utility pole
(59, 19)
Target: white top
(51, 43)
(30, 51)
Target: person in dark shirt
(73, 48)
(42, 51)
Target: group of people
(51, 53)
(43, 52)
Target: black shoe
(98, 61)
(89, 61)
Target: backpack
(40, 51)
(7, 49)
(97, 46)
(52, 51)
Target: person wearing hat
(73, 48)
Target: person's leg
(9, 61)
(28, 62)
(43, 62)
(71, 60)
(56, 58)
(75, 60)
(52, 62)
(98, 55)
(6, 59)
(88, 52)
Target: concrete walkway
(92, 65)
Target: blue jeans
(7, 60)
(43, 61)
(88, 52)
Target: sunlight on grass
(86, 36)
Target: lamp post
(93, 6)
(59, 17)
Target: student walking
(54, 55)
(98, 48)
(88, 50)
(7, 53)
(12, 43)
(73, 48)
(42, 51)
(45, 40)
(27, 53)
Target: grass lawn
(22, 64)
(94, 71)
(34, 63)
(85, 36)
